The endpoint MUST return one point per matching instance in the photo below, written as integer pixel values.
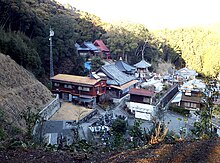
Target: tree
(203, 128)
(121, 41)
(198, 48)
(96, 63)
(90, 27)
(136, 133)
(119, 128)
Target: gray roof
(194, 84)
(56, 127)
(91, 46)
(142, 64)
(184, 72)
(115, 76)
(86, 46)
(124, 67)
(78, 47)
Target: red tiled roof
(75, 79)
(100, 44)
(142, 92)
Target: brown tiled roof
(75, 79)
(142, 92)
(194, 99)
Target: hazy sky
(155, 14)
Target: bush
(179, 110)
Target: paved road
(173, 120)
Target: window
(56, 84)
(86, 89)
(146, 99)
(193, 105)
(79, 88)
(187, 104)
(68, 86)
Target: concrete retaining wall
(49, 110)
(90, 115)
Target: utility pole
(51, 53)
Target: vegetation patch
(179, 110)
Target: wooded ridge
(24, 33)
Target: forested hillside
(199, 47)
(24, 34)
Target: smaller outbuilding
(141, 103)
(142, 69)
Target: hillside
(202, 151)
(19, 90)
(186, 151)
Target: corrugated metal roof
(75, 79)
(100, 44)
(142, 64)
(142, 92)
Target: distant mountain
(19, 90)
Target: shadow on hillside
(198, 151)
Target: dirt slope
(19, 90)
(203, 151)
